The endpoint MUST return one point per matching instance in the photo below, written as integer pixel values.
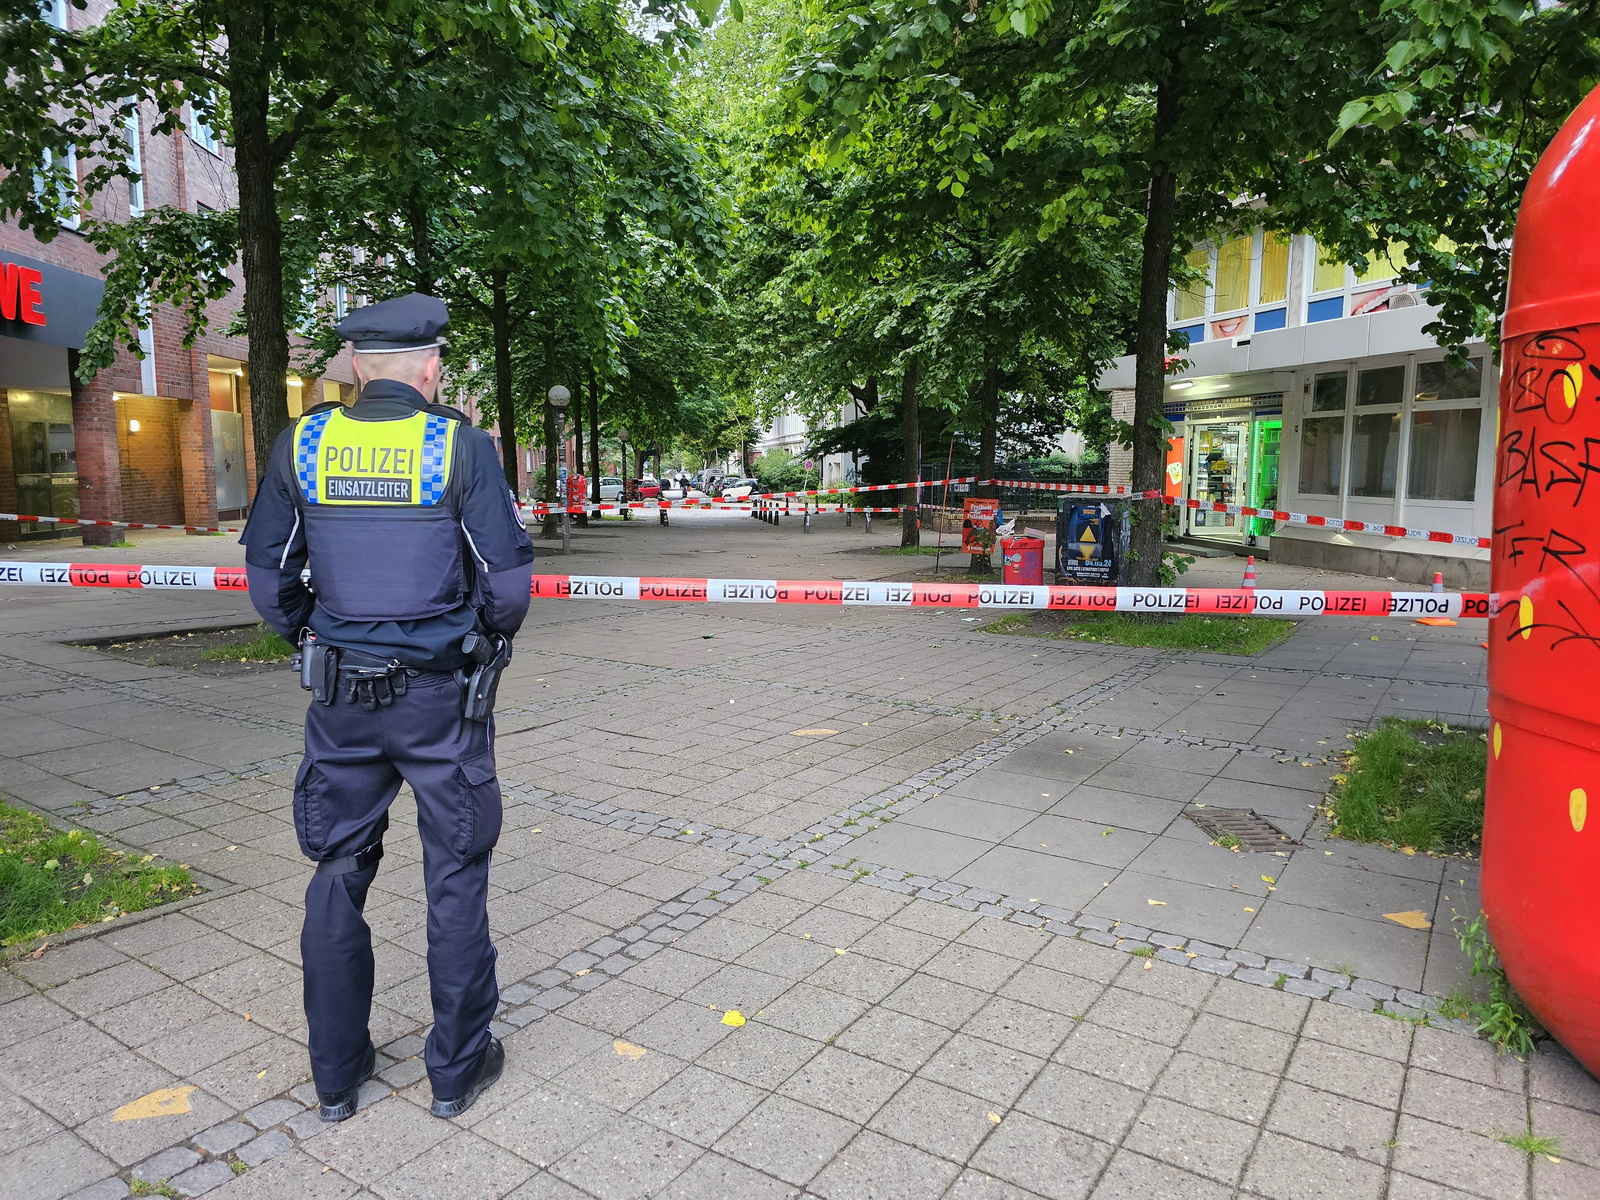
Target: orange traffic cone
(1249, 572)
(1438, 588)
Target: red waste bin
(1023, 559)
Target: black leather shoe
(489, 1068)
(341, 1106)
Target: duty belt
(372, 681)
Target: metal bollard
(868, 515)
(807, 526)
(663, 513)
(848, 513)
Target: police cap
(411, 322)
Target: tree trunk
(1150, 347)
(989, 409)
(910, 498)
(552, 452)
(500, 323)
(594, 433)
(422, 268)
(260, 234)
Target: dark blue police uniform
(401, 511)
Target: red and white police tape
(540, 508)
(1229, 602)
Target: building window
(1189, 302)
(1329, 391)
(1442, 381)
(54, 12)
(341, 302)
(1383, 385)
(135, 165)
(202, 134)
(1233, 276)
(1328, 277)
(1274, 270)
(1321, 455)
(1375, 454)
(1444, 454)
(58, 173)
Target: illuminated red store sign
(21, 294)
(41, 302)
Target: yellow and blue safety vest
(385, 539)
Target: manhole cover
(1253, 831)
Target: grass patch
(1417, 785)
(266, 646)
(1222, 635)
(51, 881)
(930, 550)
(1530, 1143)
(1501, 1018)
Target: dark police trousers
(354, 763)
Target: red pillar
(1541, 834)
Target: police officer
(417, 557)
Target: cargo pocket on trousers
(478, 822)
(310, 808)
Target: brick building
(162, 439)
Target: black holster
(319, 669)
(490, 652)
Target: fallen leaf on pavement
(994, 1117)
(628, 1049)
(1269, 879)
(733, 1017)
(1158, 903)
(813, 732)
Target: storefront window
(1328, 394)
(1441, 381)
(1375, 454)
(1386, 385)
(44, 454)
(1444, 453)
(1321, 455)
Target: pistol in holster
(319, 668)
(490, 652)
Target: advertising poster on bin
(978, 519)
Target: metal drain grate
(1253, 831)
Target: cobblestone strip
(1254, 749)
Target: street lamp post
(559, 398)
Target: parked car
(739, 489)
(649, 487)
(610, 489)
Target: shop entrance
(1233, 462)
(44, 459)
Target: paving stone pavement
(936, 919)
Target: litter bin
(1023, 559)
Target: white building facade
(1310, 387)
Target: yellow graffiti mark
(1572, 383)
(163, 1102)
(1498, 738)
(1578, 808)
(1525, 618)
